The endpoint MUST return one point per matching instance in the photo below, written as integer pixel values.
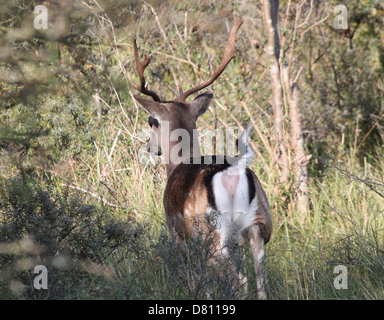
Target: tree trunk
(270, 8)
(282, 85)
(297, 143)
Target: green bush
(72, 239)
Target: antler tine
(229, 53)
(141, 65)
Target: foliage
(75, 197)
(43, 227)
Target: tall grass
(344, 227)
(93, 213)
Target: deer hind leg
(229, 260)
(237, 259)
(231, 253)
(226, 254)
(257, 245)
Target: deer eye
(153, 122)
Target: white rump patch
(232, 201)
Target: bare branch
(92, 194)
(308, 15)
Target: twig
(306, 19)
(109, 189)
(114, 144)
(164, 35)
(369, 183)
(93, 195)
(369, 132)
(262, 137)
(194, 66)
(297, 75)
(314, 25)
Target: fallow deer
(200, 188)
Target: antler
(229, 53)
(141, 65)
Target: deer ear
(152, 107)
(201, 103)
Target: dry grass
(109, 203)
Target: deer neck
(182, 146)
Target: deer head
(173, 123)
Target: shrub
(72, 239)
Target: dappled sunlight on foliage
(75, 196)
